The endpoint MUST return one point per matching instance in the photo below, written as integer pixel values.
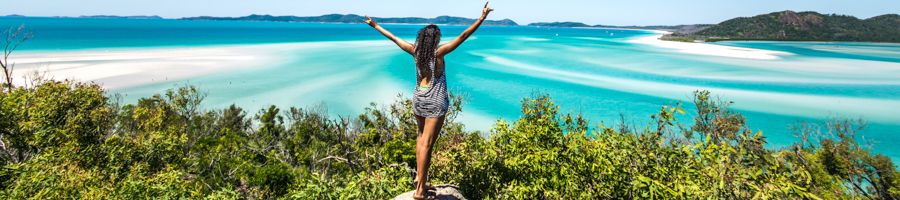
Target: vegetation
(70, 140)
(351, 18)
(689, 28)
(803, 26)
(121, 17)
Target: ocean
(601, 73)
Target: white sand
(128, 67)
(132, 67)
(709, 49)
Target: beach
(709, 49)
(117, 68)
(122, 68)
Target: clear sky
(633, 12)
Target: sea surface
(600, 73)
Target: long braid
(426, 44)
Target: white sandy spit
(709, 49)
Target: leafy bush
(68, 140)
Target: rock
(444, 192)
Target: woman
(430, 101)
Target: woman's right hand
(369, 21)
(487, 9)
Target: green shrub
(68, 140)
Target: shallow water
(597, 72)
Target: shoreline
(708, 49)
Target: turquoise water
(597, 72)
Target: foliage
(69, 140)
(802, 26)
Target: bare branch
(334, 158)
(14, 38)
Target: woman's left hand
(369, 21)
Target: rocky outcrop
(442, 192)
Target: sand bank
(128, 67)
(709, 49)
(118, 68)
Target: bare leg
(420, 122)
(424, 145)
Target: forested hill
(559, 24)
(804, 26)
(686, 28)
(351, 18)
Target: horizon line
(564, 21)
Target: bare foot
(425, 195)
(428, 192)
(428, 186)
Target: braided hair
(426, 44)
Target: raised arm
(406, 46)
(450, 46)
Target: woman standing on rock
(430, 99)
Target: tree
(13, 38)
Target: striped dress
(431, 102)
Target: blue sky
(634, 12)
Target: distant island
(351, 18)
(559, 24)
(120, 17)
(689, 28)
(780, 26)
(94, 16)
(803, 26)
